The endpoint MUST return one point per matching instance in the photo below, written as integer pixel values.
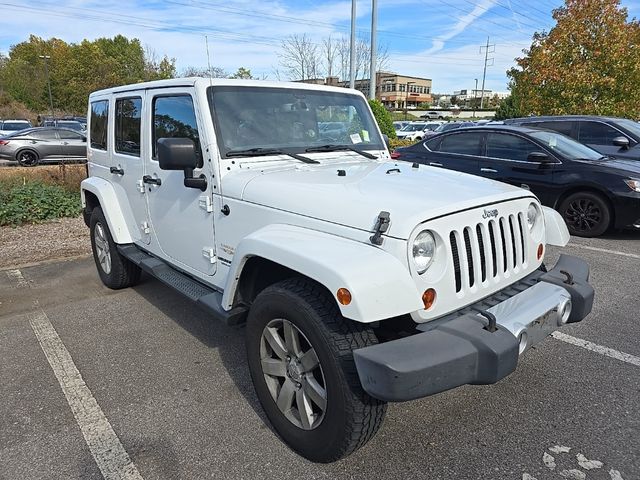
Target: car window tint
(556, 126)
(597, 133)
(45, 134)
(433, 144)
(127, 125)
(69, 135)
(511, 147)
(462, 143)
(175, 116)
(98, 124)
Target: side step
(205, 297)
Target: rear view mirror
(177, 154)
(539, 157)
(621, 141)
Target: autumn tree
(586, 64)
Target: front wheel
(300, 354)
(586, 214)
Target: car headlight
(532, 215)
(424, 248)
(634, 184)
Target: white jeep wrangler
(361, 280)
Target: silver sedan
(34, 145)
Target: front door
(74, 144)
(181, 217)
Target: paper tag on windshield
(365, 135)
(553, 141)
(355, 138)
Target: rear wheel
(300, 354)
(587, 214)
(115, 270)
(28, 158)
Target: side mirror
(385, 137)
(539, 157)
(621, 141)
(180, 154)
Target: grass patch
(65, 176)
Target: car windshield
(432, 126)
(413, 127)
(446, 126)
(290, 120)
(13, 126)
(566, 146)
(630, 125)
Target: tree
(508, 108)
(243, 73)
(383, 117)
(586, 64)
(300, 57)
(205, 72)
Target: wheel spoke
(274, 367)
(291, 338)
(309, 360)
(315, 392)
(304, 410)
(285, 397)
(275, 341)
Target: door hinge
(144, 226)
(205, 203)
(140, 186)
(208, 252)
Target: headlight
(424, 247)
(634, 184)
(532, 215)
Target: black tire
(351, 417)
(28, 158)
(121, 272)
(586, 214)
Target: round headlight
(532, 215)
(424, 247)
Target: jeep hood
(356, 198)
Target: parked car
(335, 257)
(445, 127)
(618, 137)
(400, 124)
(70, 124)
(43, 144)
(434, 114)
(592, 192)
(417, 130)
(8, 127)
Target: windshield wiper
(263, 152)
(335, 148)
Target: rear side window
(597, 133)
(561, 127)
(175, 116)
(127, 125)
(510, 147)
(462, 143)
(69, 135)
(99, 121)
(44, 134)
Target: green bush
(397, 142)
(383, 117)
(34, 202)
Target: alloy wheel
(583, 214)
(27, 158)
(102, 248)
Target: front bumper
(460, 349)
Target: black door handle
(150, 179)
(116, 170)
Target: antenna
(206, 42)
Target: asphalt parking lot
(158, 387)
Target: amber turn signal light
(540, 251)
(428, 298)
(344, 296)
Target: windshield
(432, 126)
(288, 119)
(13, 126)
(630, 125)
(446, 126)
(413, 127)
(566, 146)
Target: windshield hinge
(382, 225)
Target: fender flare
(113, 212)
(381, 286)
(555, 227)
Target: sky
(426, 38)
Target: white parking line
(16, 275)
(606, 351)
(604, 250)
(109, 454)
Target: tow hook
(569, 280)
(493, 324)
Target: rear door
(458, 151)
(45, 142)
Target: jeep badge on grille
(490, 213)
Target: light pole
(475, 92)
(406, 99)
(46, 69)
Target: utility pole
(374, 48)
(352, 51)
(475, 94)
(46, 70)
(484, 72)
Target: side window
(433, 144)
(45, 134)
(127, 125)
(99, 121)
(463, 143)
(69, 135)
(564, 128)
(175, 116)
(597, 133)
(510, 147)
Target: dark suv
(617, 137)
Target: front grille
(488, 250)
